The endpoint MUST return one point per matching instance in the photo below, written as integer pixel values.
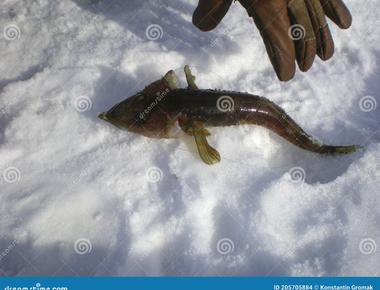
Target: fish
(163, 109)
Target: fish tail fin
(307, 142)
(328, 149)
(286, 127)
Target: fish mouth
(103, 116)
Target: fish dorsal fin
(190, 78)
(172, 80)
(162, 86)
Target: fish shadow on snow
(314, 168)
(167, 23)
(113, 87)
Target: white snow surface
(80, 197)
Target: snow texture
(80, 197)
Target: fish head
(127, 114)
(140, 113)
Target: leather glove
(292, 30)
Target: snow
(80, 197)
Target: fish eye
(140, 96)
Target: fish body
(163, 109)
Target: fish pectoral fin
(190, 127)
(203, 131)
(190, 78)
(208, 154)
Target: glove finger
(325, 43)
(338, 12)
(208, 14)
(302, 32)
(272, 20)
